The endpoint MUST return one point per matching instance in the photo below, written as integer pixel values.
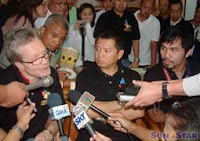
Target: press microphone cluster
(45, 81)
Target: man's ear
(19, 65)
(42, 29)
(189, 53)
(120, 54)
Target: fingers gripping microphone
(57, 111)
(46, 82)
(74, 96)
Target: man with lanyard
(119, 19)
(175, 44)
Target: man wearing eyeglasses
(29, 62)
(55, 7)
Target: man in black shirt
(163, 16)
(30, 62)
(175, 44)
(104, 79)
(124, 22)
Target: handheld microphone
(57, 111)
(74, 96)
(45, 81)
(82, 119)
(79, 110)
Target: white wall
(190, 9)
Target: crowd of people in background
(112, 42)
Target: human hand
(149, 93)
(45, 135)
(119, 122)
(14, 94)
(134, 65)
(99, 137)
(24, 115)
(79, 24)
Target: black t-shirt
(156, 73)
(127, 26)
(8, 115)
(104, 88)
(164, 23)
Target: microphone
(45, 81)
(82, 119)
(57, 111)
(74, 96)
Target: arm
(24, 115)
(153, 45)
(99, 137)
(107, 107)
(128, 126)
(151, 92)
(135, 46)
(113, 106)
(50, 131)
(12, 94)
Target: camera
(84, 23)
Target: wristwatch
(19, 129)
(165, 94)
(136, 60)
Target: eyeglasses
(60, 4)
(38, 60)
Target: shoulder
(154, 73)
(90, 69)
(154, 20)
(131, 73)
(10, 74)
(195, 68)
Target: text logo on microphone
(81, 119)
(86, 100)
(58, 112)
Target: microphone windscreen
(47, 81)
(74, 96)
(54, 99)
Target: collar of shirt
(187, 72)
(120, 71)
(174, 23)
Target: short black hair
(115, 36)
(172, 2)
(174, 32)
(189, 111)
